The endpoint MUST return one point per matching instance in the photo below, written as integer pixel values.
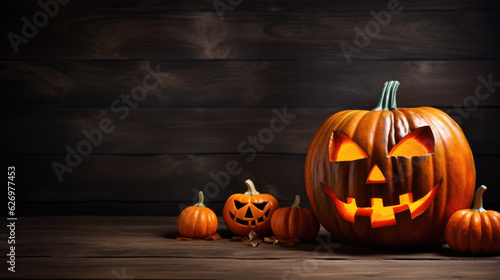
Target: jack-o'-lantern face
(416, 144)
(389, 177)
(244, 212)
(247, 213)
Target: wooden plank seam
(30, 28)
(393, 8)
(255, 143)
(471, 102)
(84, 147)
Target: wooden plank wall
(220, 81)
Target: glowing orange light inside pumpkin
(375, 176)
(380, 215)
(418, 143)
(341, 148)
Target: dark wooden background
(224, 79)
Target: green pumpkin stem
(200, 200)
(478, 200)
(388, 98)
(251, 188)
(296, 202)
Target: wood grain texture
(145, 248)
(135, 208)
(260, 5)
(109, 236)
(181, 268)
(93, 84)
(264, 35)
(192, 130)
(221, 80)
(170, 180)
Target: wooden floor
(145, 248)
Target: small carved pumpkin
(197, 221)
(474, 231)
(294, 222)
(390, 177)
(243, 213)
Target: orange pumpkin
(243, 213)
(294, 222)
(197, 221)
(474, 231)
(389, 177)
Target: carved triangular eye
(342, 148)
(418, 143)
(238, 204)
(260, 206)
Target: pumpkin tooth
(379, 214)
(266, 214)
(406, 198)
(260, 220)
(241, 222)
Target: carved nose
(376, 176)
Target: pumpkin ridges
(298, 228)
(288, 220)
(487, 231)
(463, 232)
(278, 218)
(212, 223)
(194, 216)
(202, 222)
(440, 121)
(475, 234)
(495, 226)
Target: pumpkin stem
(251, 188)
(200, 200)
(296, 202)
(478, 200)
(388, 98)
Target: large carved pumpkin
(389, 177)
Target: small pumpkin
(294, 222)
(197, 221)
(474, 231)
(244, 212)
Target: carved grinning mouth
(252, 222)
(380, 215)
